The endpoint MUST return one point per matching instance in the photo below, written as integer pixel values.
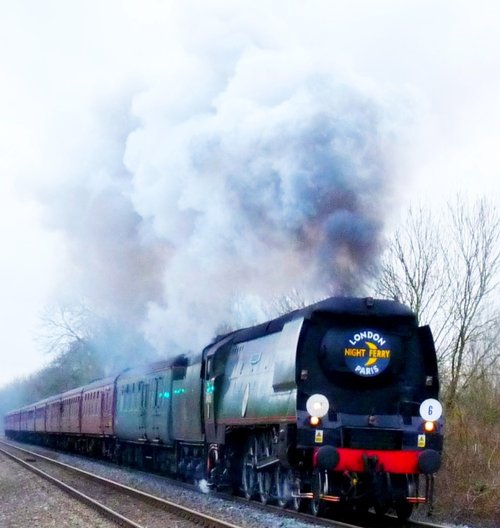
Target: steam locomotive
(330, 406)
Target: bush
(468, 486)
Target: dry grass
(468, 485)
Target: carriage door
(208, 397)
(143, 416)
(152, 426)
(103, 394)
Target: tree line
(446, 267)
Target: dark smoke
(259, 198)
(246, 188)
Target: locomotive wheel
(403, 510)
(406, 486)
(284, 483)
(264, 484)
(264, 478)
(298, 504)
(319, 487)
(382, 494)
(248, 472)
(212, 461)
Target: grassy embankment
(468, 485)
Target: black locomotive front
(367, 405)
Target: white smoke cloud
(198, 153)
(245, 167)
(273, 177)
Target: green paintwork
(259, 379)
(160, 403)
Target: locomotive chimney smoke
(241, 172)
(116, 260)
(266, 187)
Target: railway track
(138, 510)
(369, 521)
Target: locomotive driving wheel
(284, 482)
(319, 488)
(288, 488)
(298, 503)
(264, 479)
(248, 471)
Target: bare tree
(411, 270)
(288, 302)
(64, 324)
(262, 310)
(472, 268)
(86, 342)
(446, 268)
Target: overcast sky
(114, 117)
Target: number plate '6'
(431, 409)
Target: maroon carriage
(97, 407)
(71, 411)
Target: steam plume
(262, 191)
(241, 175)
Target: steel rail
(101, 508)
(370, 521)
(173, 508)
